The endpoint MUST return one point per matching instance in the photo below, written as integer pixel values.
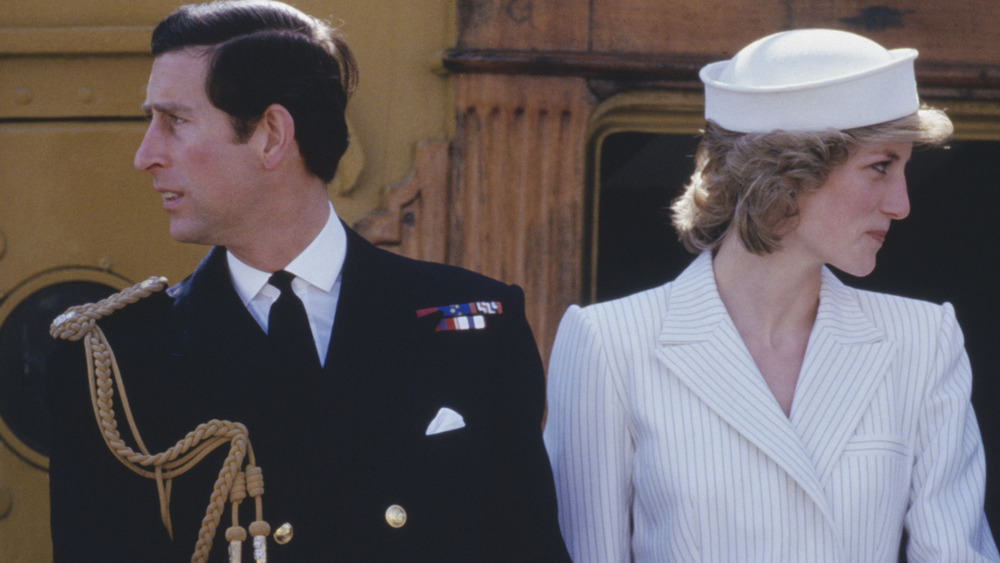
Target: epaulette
(77, 321)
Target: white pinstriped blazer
(667, 445)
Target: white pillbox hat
(810, 80)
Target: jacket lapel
(374, 310)
(846, 359)
(377, 337)
(700, 345)
(210, 313)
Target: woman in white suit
(756, 408)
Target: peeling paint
(519, 10)
(474, 13)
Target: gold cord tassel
(260, 530)
(236, 534)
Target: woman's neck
(774, 292)
(772, 300)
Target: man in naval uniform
(403, 425)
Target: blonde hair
(748, 182)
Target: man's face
(209, 184)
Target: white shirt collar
(312, 265)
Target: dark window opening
(25, 346)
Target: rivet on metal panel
(23, 95)
(85, 94)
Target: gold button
(283, 534)
(395, 516)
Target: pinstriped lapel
(700, 345)
(846, 359)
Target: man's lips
(878, 235)
(165, 193)
(169, 198)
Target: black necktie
(288, 325)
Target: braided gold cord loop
(255, 481)
(104, 377)
(239, 490)
(77, 321)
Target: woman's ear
(276, 131)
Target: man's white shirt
(317, 282)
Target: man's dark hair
(265, 52)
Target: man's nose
(150, 151)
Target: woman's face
(845, 221)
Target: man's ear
(277, 133)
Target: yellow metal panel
(68, 40)
(57, 13)
(91, 86)
(72, 198)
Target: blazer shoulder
(425, 280)
(132, 320)
(899, 315)
(640, 315)
(650, 304)
(455, 278)
(132, 304)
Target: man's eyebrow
(167, 107)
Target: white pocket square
(445, 420)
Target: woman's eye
(881, 167)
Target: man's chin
(181, 234)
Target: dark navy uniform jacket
(336, 450)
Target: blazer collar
(374, 306)
(208, 310)
(847, 355)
